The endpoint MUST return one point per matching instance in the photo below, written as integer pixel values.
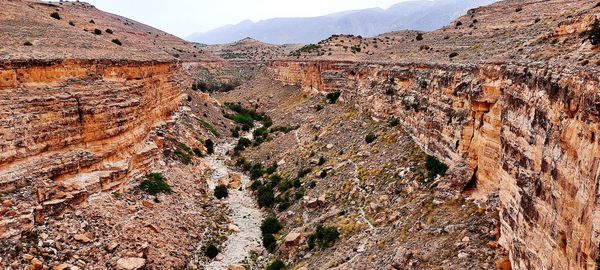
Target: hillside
(472, 146)
(413, 15)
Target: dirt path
(243, 212)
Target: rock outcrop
(526, 133)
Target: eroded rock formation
(528, 134)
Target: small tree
(371, 137)
(269, 242)
(210, 146)
(221, 192)
(419, 36)
(270, 225)
(211, 251)
(154, 183)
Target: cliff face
(73, 128)
(525, 133)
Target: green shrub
(303, 172)
(256, 171)
(210, 146)
(221, 192)
(333, 97)
(235, 132)
(297, 183)
(154, 183)
(270, 225)
(371, 137)
(595, 33)
(185, 157)
(283, 186)
(211, 251)
(210, 128)
(267, 121)
(322, 160)
(255, 185)
(435, 167)
(242, 144)
(394, 122)
(284, 204)
(269, 242)
(272, 169)
(324, 237)
(276, 265)
(299, 194)
(197, 152)
(116, 41)
(265, 197)
(97, 31)
(55, 15)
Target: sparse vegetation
(214, 87)
(452, 55)
(270, 225)
(55, 15)
(306, 49)
(435, 167)
(269, 242)
(371, 137)
(323, 237)
(276, 265)
(221, 192)
(97, 31)
(116, 41)
(210, 128)
(154, 183)
(211, 251)
(71, 23)
(110, 31)
(27, 43)
(419, 37)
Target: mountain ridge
(413, 15)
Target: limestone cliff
(528, 134)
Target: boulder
(131, 263)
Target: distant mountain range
(424, 15)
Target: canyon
(507, 96)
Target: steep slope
(507, 95)
(415, 15)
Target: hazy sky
(184, 17)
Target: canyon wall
(528, 134)
(70, 128)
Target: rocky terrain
(474, 146)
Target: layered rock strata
(526, 133)
(71, 128)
